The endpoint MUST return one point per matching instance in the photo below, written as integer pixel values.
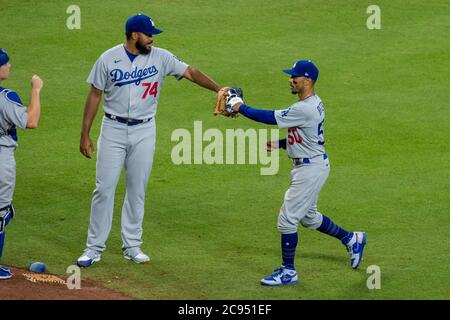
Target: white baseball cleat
(136, 255)
(5, 273)
(280, 277)
(355, 248)
(88, 258)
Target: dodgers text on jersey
(136, 75)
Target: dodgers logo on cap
(141, 23)
(304, 68)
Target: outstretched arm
(201, 79)
(264, 116)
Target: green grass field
(387, 98)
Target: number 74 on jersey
(151, 89)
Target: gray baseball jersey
(305, 139)
(305, 121)
(132, 88)
(12, 114)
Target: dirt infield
(26, 285)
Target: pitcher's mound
(27, 285)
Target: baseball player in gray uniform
(130, 76)
(305, 144)
(13, 114)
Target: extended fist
(36, 82)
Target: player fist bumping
(227, 97)
(36, 82)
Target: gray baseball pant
(7, 175)
(300, 200)
(121, 146)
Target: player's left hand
(272, 145)
(86, 146)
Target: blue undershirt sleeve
(264, 116)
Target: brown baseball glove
(221, 101)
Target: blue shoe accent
(281, 276)
(85, 264)
(136, 255)
(5, 273)
(88, 258)
(355, 248)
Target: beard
(142, 49)
(297, 90)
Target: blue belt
(299, 161)
(128, 121)
(8, 207)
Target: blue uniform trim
(264, 116)
(13, 133)
(300, 161)
(2, 242)
(3, 223)
(332, 229)
(130, 55)
(9, 209)
(288, 246)
(13, 97)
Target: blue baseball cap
(141, 23)
(4, 58)
(304, 68)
